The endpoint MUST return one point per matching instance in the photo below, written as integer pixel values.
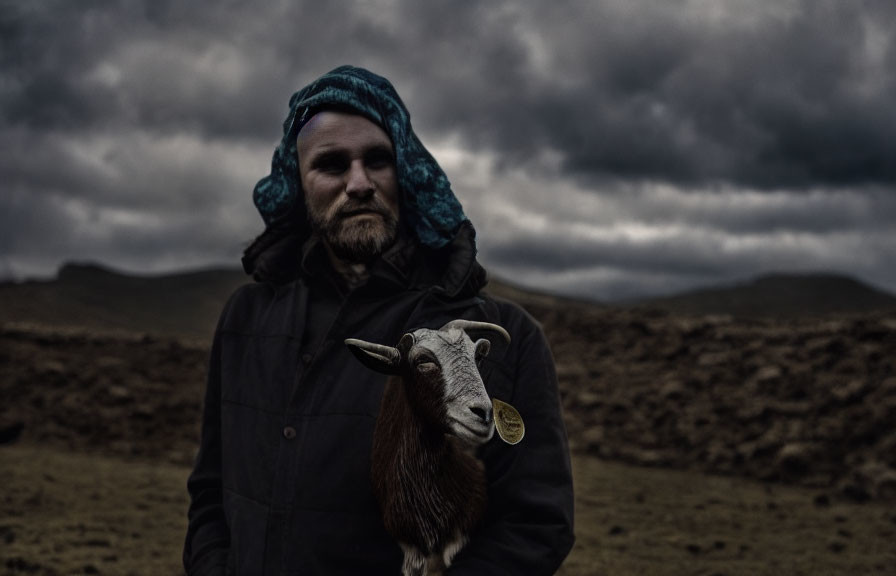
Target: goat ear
(404, 345)
(379, 358)
(483, 347)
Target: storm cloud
(602, 149)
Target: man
(363, 239)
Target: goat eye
(427, 366)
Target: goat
(435, 411)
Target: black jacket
(281, 482)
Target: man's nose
(358, 184)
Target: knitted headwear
(428, 206)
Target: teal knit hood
(429, 208)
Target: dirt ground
(700, 445)
(72, 513)
(68, 512)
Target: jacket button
(306, 358)
(289, 432)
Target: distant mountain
(188, 304)
(90, 295)
(184, 304)
(781, 295)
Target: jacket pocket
(249, 446)
(248, 534)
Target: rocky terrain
(803, 401)
(111, 393)
(696, 438)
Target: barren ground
(700, 445)
(74, 513)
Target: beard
(352, 239)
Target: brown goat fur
(435, 412)
(430, 486)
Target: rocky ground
(806, 402)
(66, 512)
(111, 393)
(809, 403)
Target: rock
(720, 455)
(108, 362)
(822, 500)
(855, 488)
(789, 407)
(883, 481)
(713, 359)
(119, 392)
(593, 437)
(852, 390)
(588, 399)
(836, 546)
(888, 387)
(50, 367)
(673, 390)
(650, 457)
(794, 460)
(768, 374)
(144, 410)
(10, 431)
(19, 564)
(570, 370)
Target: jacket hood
(428, 206)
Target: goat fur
(429, 483)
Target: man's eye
(380, 159)
(330, 165)
(331, 168)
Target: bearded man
(364, 239)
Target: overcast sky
(602, 149)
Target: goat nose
(484, 413)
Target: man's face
(347, 169)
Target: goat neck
(423, 477)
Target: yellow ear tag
(508, 422)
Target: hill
(184, 304)
(804, 399)
(187, 304)
(93, 296)
(781, 296)
(107, 425)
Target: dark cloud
(612, 145)
(758, 94)
(742, 212)
(769, 95)
(42, 232)
(620, 267)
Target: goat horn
(386, 352)
(473, 325)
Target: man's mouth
(360, 212)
